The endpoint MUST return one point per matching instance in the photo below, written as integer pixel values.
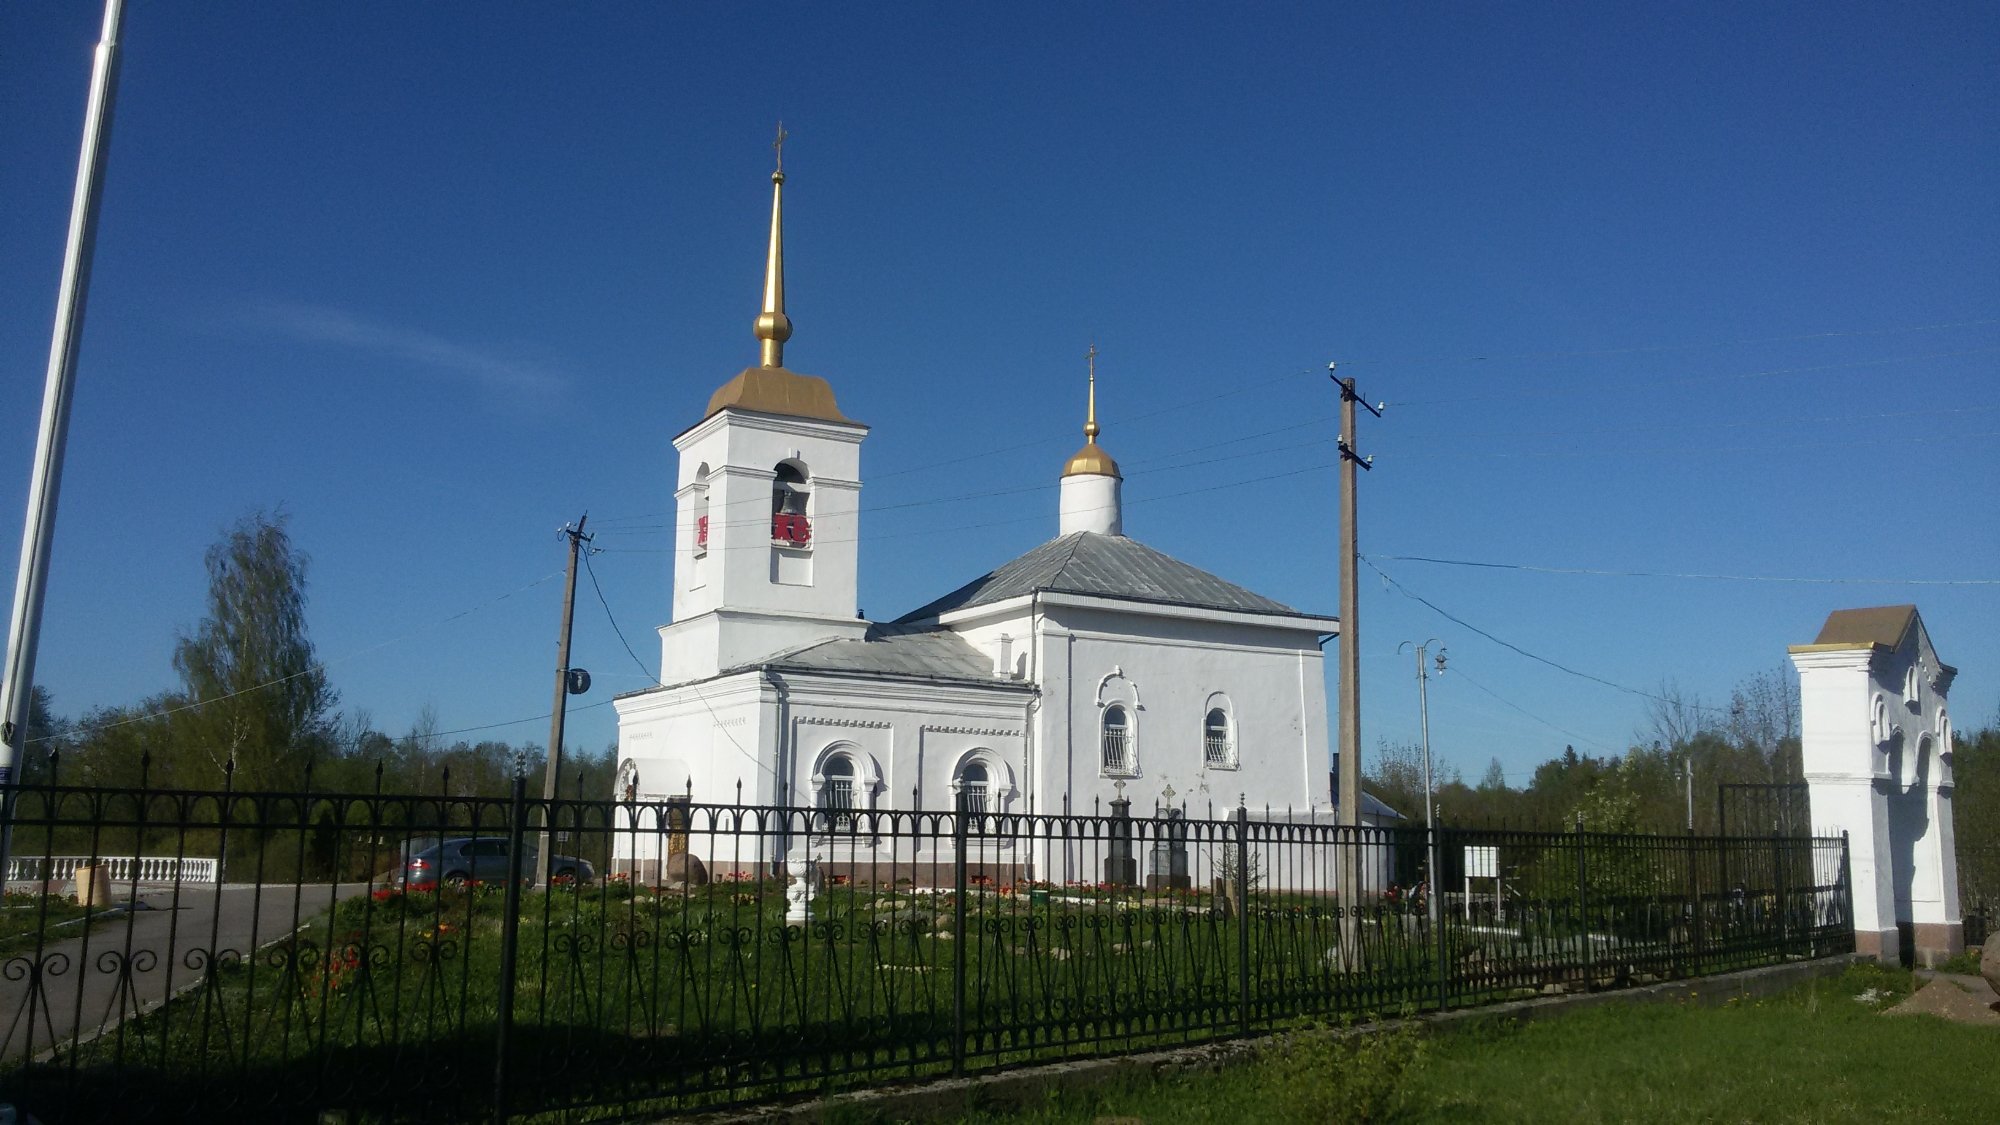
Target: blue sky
(1665, 288)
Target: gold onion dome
(769, 388)
(1091, 460)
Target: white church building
(1091, 666)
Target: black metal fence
(1978, 885)
(691, 954)
(1751, 809)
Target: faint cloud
(493, 370)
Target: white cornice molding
(841, 721)
(783, 425)
(729, 689)
(1845, 658)
(975, 732)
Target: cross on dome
(1091, 460)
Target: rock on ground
(1947, 999)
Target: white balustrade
(149, 869)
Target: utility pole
(565, 686)
(1350, 610)
(17, 687)
(1350, 677)
(1690, 785)
(1430, 789)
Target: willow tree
(254, 691)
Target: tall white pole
(1434, 853)
(30, 585)
(1430, 808)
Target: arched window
(1218, 744)
(1117, 740)
(837, 796)
(789, 496)
(701, 511)
(788, 491)
(975, 788)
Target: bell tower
(767, 522)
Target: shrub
(1320, 1076)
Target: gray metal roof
(890, 650)
(1371, 805)
(1111, 566)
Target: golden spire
(1091, 459)
(769, 388)
(773, 326)
(1090, 422)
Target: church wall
(1168, 672)
(702, 739)
(909, 736)
(906, 739)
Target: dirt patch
(1944, 998)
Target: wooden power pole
(545, 845)
(1350, 607)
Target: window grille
(973, 789)
(1117, 740)
(1217, 749)
(837, 798)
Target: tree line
(1751, 742)
(254, 701)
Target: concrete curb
(1026, 1087)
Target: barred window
(974, 789)
(837, 797)
(1117, 740)
(1218, 748)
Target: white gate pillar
(1876, 748)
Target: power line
(1653, 348)
(613, 619)
(1691, 575)
(638, 529)
(986, 494)
(1038, 517)
(1512, 647)
(1652, 427)
(1683, 380)
(656, 681)
(1510, 704)
(1683, 449)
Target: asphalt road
(81, 985)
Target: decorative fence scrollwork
(319, 968)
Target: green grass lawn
(386, 1005)
(1815, 1054)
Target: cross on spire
(778, 146)
(1090, 430)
